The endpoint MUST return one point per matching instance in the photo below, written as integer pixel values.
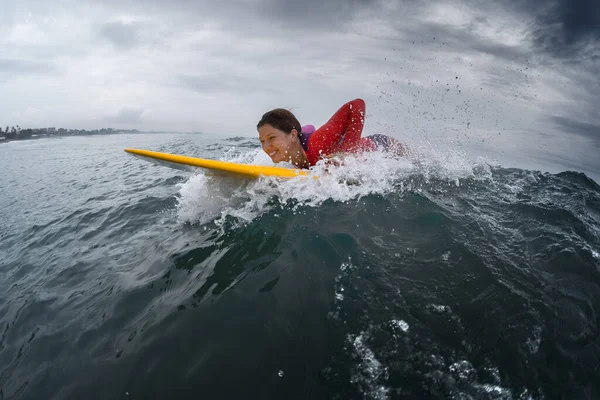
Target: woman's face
(276, 143)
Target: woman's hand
(333, 160)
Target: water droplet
(280, 373)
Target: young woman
(283, 138)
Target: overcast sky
(515, 79)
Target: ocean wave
(434, 276)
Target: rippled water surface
(384, 279)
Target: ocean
(420, 278)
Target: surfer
(284, 139)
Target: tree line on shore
(17, 133)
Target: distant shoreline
(44, 133)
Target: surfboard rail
(248, 170)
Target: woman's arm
(340, 134)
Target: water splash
(208, 197)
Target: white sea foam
(439, 308)
(534, 341)
(464, 373)
(399, 324)
(346, 270)
(446, 256)
(370, 372)
(205, 197)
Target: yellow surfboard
(246, 170)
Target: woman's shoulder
(308, 129)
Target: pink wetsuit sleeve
(341, 133)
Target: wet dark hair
(281, 119)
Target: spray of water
(207, 197)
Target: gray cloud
(225, 83)
(11, 67)
(273, 17)
(567, 29)
(568, 26)
(120, 34)
(442, 38)
(127, 116)
(313, 14)
(584, 129)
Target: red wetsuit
(342, 133)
